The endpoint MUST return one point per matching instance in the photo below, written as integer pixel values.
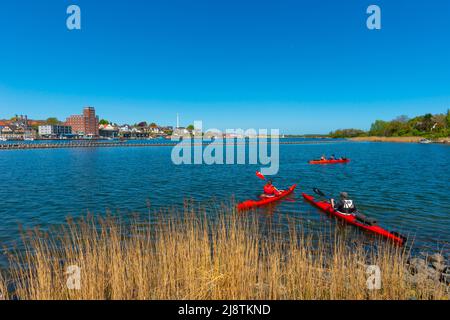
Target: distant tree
(378, 128)
(142, 124)
(428, 125)
(424, 123)
(52, 121)
(393, 129)
(428, 121)
(190, 128)
(153, 125)
(439, 122)
(402, 119)
(347, 133)
(104, 122)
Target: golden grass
(192, 257)
(388, 139)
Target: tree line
(427, 125)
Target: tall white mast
(178, 121)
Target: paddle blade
(260, 175)
(320, 193)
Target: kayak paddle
(260, 175)
(320, 193)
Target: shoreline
(398, 139)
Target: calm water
(404, 186)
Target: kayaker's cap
(269, 181)
(344, 195)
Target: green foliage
(428, 125)
(104, 122)
(190, 128)
(52, 121)
(378, 128)
(347, 133)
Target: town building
(13, 132)
(17, 128)
(108, 131)
(181, 131)
(85, 124)
(54, 131)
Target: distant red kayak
(262, 202)
(329, 161)
(351, 219)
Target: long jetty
(104, 144)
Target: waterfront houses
(18, 128)
(83, 126)
(12, 132)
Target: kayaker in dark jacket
(270, 190)
(344, 205)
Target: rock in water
(436, 258)
(438, 266)
(417, 265)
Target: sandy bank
(387, 139)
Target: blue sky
(300, 66)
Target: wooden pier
(104, 144)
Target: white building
(125, 128)
(108, 131)
(54, 130)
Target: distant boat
(28, 139)
(3, 139)
(425, 141)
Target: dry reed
(192, 257)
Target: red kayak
(351, 219)
(265, 201)
(329, 161)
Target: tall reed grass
(192, 257)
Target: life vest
(269, 189)
(346, 206)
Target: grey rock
(436, 258)
(438, 266)
(432, 274)
(417, 265)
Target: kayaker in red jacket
(270, 190)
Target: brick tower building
(86, 123)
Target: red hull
(326, 207)
(329, 161)
(258, 203)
